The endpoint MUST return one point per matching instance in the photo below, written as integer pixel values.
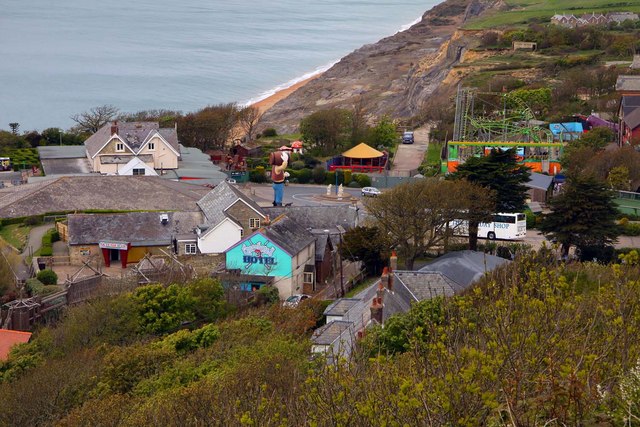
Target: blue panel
(259, 256)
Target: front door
(114, 254)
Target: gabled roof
(632, 119)
(318, 217)
(331, 332)
(138, 228)
(628, 83)
(427, 284)
(465, 267)
(322, 241)
(288, 234)
(539, 181)
(362, 151)
(217, 201)
(9, 338)
(341, 306)
(137, 163)
(134, 134)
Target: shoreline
(265, 104)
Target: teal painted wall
(258, 255)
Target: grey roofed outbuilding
(214, 203)
(632, 119)
(341, 306)
(318, 217)
(197, 166)
(288, 234)
(138, 228)
(539, 181)
(628, 83)
(78, 193)
(135, 134)
(331, 332)
(465, 267)
(62, 152)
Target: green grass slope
(524, 11)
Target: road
(297, 194)
(409, 156)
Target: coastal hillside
(393, 76)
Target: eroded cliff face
(394, 76)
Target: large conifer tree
(582, 215)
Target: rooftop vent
(164, 219)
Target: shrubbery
(258, 175)
(269, 133)
(47, 277)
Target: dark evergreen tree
(583, 215)
(366, 244)
(500, 172)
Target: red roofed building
(10, 338)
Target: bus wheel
(491, 235)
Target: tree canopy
(92, 120)
(582, 215)
(327, 130)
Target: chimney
(384, 279)
(393, 261)
(267, 220)
(114, 127)
(376, 309)
(390, 284)
(380, 291)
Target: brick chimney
(380, 291)
(384, 279)
(393, 260)
(390, 282)
(114, 127)
(376, 309)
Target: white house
(116, 144)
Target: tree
(418, 216)
(384, 133)
(248, 118)
(365, 244)
(359, 127)
(326, 130)
(92, 120)
(500, 172)
(582, 215)
(210, 128)
(618, 178)
(597, 138)
(14, 128)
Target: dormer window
(119, 147)
(152, 146)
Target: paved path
(410, 156)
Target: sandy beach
(270, 101)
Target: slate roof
(539, 181)
(427, 284)
(465, 267)
(331, 332)
(629, 103)
(628, 83)
(9, 338)
(341, 306)
(318, 217)
(214, 203)
(632, 119)
(288, 234)
(62, 152)
(138, 228)
(78, 193)
(321, 244)
(135, 134)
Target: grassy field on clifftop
(523, 11)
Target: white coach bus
(505, 226)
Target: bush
(258, 175)
(267, 295)
(32, 220)
(353, 184)
(34, 286)
(603, 254)
(305, 176)
(55, 236)
(363, 179)
(330, 178)
(48, 277)
(297, 165)
(347, 176)
(48, 290)
(269, 133)
(318, 174)
(630, 229)
(531, 219)
(46, 251)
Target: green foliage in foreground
(538, 341)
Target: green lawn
(628, 206)
(361, 286)
(521, 11)
(15, 234)
(433, 152)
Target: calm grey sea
(63, 57)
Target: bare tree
(92, 120)
(248, 118)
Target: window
(152, 146)
(119, 146)
(190, 248)
(254, 223)
(242, 233)
(138, 171)
(308, 277)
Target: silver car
(370, 191)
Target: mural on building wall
(257, 255)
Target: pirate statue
(279, 160)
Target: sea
(59, 58)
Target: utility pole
(340, 230)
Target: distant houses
(572, 21)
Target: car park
(370, 192)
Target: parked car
(407, 138)
(231, 180)
(294, 300)
(370, 191)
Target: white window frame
(119, 147)
(254, 222)
(304, 278)
(133, 171)
(151, 146)
(190, 248)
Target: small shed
(540, 187)
(532, 46)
